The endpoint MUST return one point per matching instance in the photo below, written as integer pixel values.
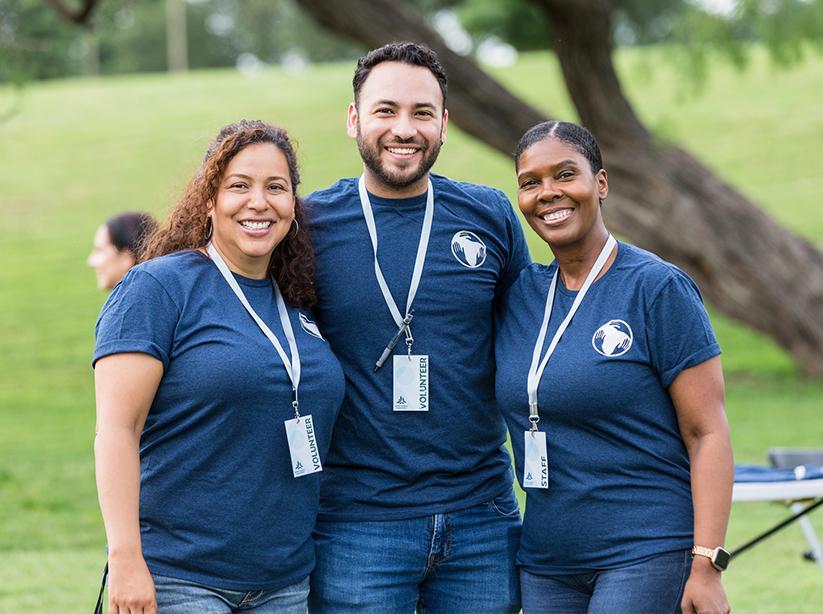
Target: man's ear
(351, 121)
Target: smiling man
(417, 504)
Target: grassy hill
(81, 150)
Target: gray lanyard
(399, 319)
(293, 366)
(538, 366)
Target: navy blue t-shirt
(385, 464)
(619, 483)
(218, 501)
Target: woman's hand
(131, 588)
(704, 592)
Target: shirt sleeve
(519, 257)
(139, 316)
(678, 329)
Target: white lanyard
(293, 366)
(535, 371)
(422, 246)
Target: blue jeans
(183, 597)
(458, 562)
(654, 586)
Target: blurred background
(108, 105)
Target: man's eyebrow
(394, 103)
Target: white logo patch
(310, 327)
(469, 250)
(614, 338)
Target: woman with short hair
(609, 376)
(118, 245)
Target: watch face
(721, 559)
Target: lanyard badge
(300, 434)
(535, 466)
(410, 379)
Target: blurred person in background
(207, 460)
(118, 245)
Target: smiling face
(560, 196)
(253, 209)
(108, 262)
(399, 123)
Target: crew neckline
(241, 279)
(561, 287)
(408, 202)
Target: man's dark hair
(576, 136)
(405, 52)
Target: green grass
(82, 150)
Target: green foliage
(127, 36)
(35, 43)
(81, 150)
(518, 22)
(787, 27)
(696, 36)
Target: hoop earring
(296, 229)
(209, 229)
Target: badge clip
(403, 328)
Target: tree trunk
(483, 108)
(665, 200)
(76, 14)
(177, 37)
(661, 198)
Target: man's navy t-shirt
(386, 464)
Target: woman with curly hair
(216, 395)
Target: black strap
(775, 529)
(98, 609)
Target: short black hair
(405, 52)
(576, 136)
(128, 231)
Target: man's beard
(371, 158)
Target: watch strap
(718, 556)
(703, 551)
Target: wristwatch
(719, 556)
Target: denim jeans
(182, 597)
(654, 586)
(458, 562)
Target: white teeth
(555, 216)
(402, 150)
(255, 225)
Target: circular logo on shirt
(469, 250)
(614, 338)
(310, 327)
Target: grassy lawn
(82, 150)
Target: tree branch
(661, 198)
(79, 15)
(478, 104)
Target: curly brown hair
(188, 227)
